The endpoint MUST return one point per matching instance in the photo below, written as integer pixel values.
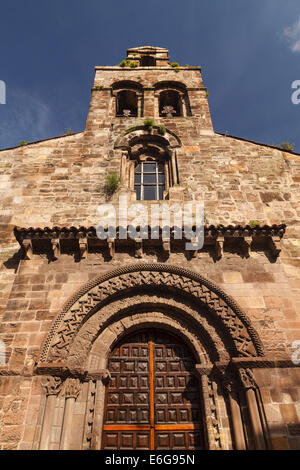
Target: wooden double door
(153, 399)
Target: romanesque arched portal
(77, 356)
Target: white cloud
(292, 33)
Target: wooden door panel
(178, 440)
(152, 400)
(126, 439)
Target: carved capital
(52, 385)
(103, 375)
(71, 388)
(229, 383)
(247, 379)
(106, 377)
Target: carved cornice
(84, 240)
(59, 374)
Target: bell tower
(148, 85)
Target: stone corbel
(193, 253)
(27, 244)
(166, 246)
(55, 248)
(83, 247)
(111, 246)
(274, 246)
(219, 247)
(247, 246)
(138, 248)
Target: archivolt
(126, 281)
(168, 139)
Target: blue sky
(249, 52)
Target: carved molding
(90, 415)
(169, 277)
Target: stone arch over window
(148, 163)
(127, 99)
(171, 100)
(171, 299)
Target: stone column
(95, 412)
(237, 423)
(210, 409)
(256, 424)
(174, 170)
(113, 105)
(183, 105)
(156, 105)
(71, 391)
(124, 180)
(140, 105)
(52, 387)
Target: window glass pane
(137, 178)
(138, 192)
(161, 178)
(161, 168)
(149, 167)
(149, 178)
(149, 193)
(138, 168)
(161, 192)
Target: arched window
(148, 165)
(127, 103)
(128, 98)
(148, 60)
(169, 104)
(172, 99)
(149, 180)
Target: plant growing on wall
(128, 63)
(149, 123)
(111, 183)
(161, 130)
(23, 142)
(287, 146)
(175, 66)
(254, 223)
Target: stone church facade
(121, 343)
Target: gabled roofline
(39, 141)
(257, 143)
